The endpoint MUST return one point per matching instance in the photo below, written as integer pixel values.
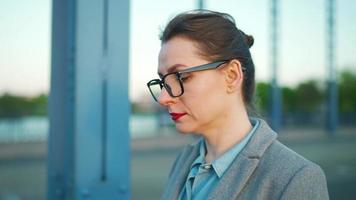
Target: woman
(207, 85)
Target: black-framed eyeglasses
(173, 82)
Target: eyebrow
(171, 69)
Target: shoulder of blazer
(264, 162)
(281, 163)
(293, 175)
(272, 153)
(284, 167)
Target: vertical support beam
(118, 112)
(89, 104)
(332, 90)
(60, 160)
(201, 4)
(275, 95)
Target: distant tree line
(307, 97)
(12, 106)
(310, 95)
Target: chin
(184, 128)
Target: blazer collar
(240, 170)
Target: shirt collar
(201, 157)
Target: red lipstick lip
(176, 116)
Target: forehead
(178, 51)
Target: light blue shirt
(203, 177)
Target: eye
(184, 77)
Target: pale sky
(25, 39)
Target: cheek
(204, 97)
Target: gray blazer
(265, 169)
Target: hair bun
(248, 39)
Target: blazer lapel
(239, 172)
(177, 180)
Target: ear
(233, 76)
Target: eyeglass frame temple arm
(204, 67)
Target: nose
(164, 99)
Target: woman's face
(202, 106)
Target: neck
(229, 133)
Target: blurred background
(306, 88)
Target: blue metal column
(201, 4)
(275, 95)
(332, 90)
(60, 160)
(89, 105)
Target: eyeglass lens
(171, 84)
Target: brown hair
(218, 38)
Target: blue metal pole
(275, 96)
(60, 159)
(201, 4)
(332, 90)
(89, 141)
